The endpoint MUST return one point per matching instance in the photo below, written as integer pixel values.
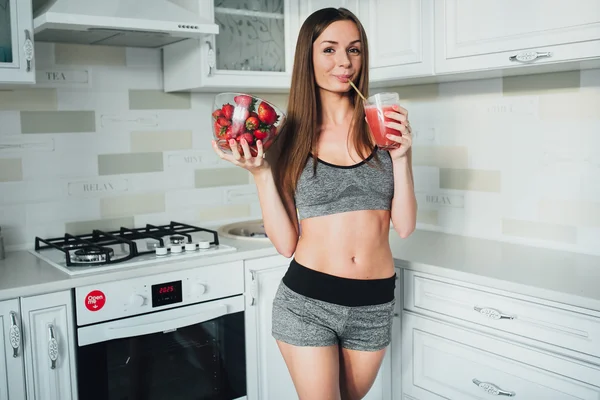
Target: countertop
(560, 276)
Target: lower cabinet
(268, 376)
(49, 346)
(12, 367)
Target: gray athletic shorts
(303, 321)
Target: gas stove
(127, 247)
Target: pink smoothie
(376, 120)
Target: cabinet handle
(492, 313)
(14, 334)
(529, 56)
(52, 346)
(28, 49)
(253, 288)
(211, 58)
(492, 389)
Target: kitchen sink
(245, 230)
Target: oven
(176, 336)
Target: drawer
(443, 361)
(536, 319)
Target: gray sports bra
(337, 189)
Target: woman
(332, 315)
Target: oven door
(193, 352)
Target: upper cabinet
(400, 34)
(253, 50)
(475, 35)
(16, 42)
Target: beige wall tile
(28, 99)
(221, 177)
(412, 92)
(441, 156)
(147, 141)
(147, 203)
(158, 100)
(129, 163)
(80, 54)
(428, 217)
(109, 224)
(470, 179)
(541, 83)
(11, 169)
(571, 106)
(539, 230)
(58, 121)
(577, 213)
(224, 212)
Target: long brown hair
(299, 134)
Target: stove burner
(176, 239)
(92, 255)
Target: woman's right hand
(246, 161)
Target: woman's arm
(404, 203)
(281, 229)
(281, 226)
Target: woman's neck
(336, 108)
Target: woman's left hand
(403, 125)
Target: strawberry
(219, 129)
(248, 136)
(223, 144)
(243, 100)
(223, 121)
(252, 123)
(261, 134)
(267, 114)
(228, 134)
(217, 113)
(227, 110)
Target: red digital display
(166, 293)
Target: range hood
(133, 23)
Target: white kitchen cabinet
(12, 373)
(49, 342)
(268, 376)
(400, 34)
(443, 361)
(474, 35)
(253, 50)
(16, 42)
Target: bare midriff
(352, 244)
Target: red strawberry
(253, 114)
(248, 136)
(223, 121)
(267, 114)
(243, 100)
(219, 129)
(228, 134)
(217, 113)
(227, 110)
(261, 134)
(252, 123)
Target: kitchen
(498, 286)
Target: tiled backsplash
(97, 143)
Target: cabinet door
(268, 376)
(478, 35)
(12, 376)
(16, 42)
(48, 326)
(250, 53)
(400, 34)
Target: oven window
(200, 362)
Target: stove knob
(176, 248)
(137, 300)
(161, 251)
(199, 289)
(190, 247)
(204, 244)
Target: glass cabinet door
(251, 35)
(8, 40)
